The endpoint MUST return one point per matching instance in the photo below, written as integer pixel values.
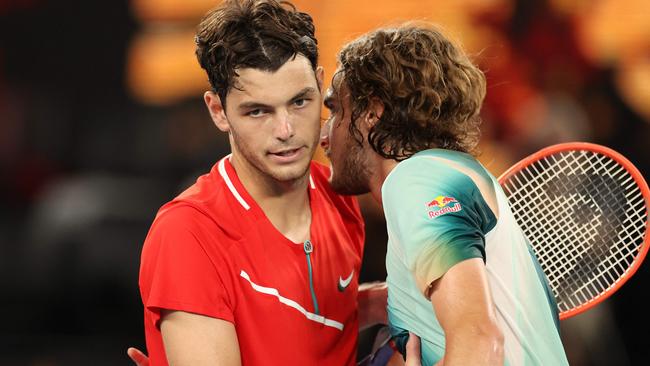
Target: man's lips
(285, 152)
(287, 155)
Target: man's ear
(374, 111)
(319, 77)
(218, 114)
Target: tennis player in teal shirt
(404, 122)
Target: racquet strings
(585, 217)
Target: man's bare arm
(192, 339)
(463, 304)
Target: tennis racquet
(584, 209)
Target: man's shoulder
(433, 168)
(206, 189)
(204, 205)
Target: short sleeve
(436, 217)
(176, 272)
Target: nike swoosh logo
(344, 283)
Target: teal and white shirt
(437, 217)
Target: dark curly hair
(430, 90)
(259, 34)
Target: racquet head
(584, 209)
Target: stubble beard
(353, 176)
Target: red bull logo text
(442, 205)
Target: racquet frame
(640, 182)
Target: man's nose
(284, 129)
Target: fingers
(138, 358)
(413, 351)
(376, 285)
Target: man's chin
(290, 173)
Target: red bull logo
(442, 205)
(441, 201)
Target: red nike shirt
(212, 251)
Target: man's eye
(300, 102)
(255, 113)
(330, 107)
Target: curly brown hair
(431, 92)
(259, 34)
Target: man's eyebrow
(259, 105)
(303, 93)
(253, 105)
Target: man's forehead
(297, 64)
(292, 77)
(337, 80)
(337, 88)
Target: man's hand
(413, 351)
(138, 358)
(412, 354)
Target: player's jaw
(350, 173)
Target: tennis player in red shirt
(257, 263)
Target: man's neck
(290, 211)
(285, 203)
(383, 167)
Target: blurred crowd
(102, 121)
